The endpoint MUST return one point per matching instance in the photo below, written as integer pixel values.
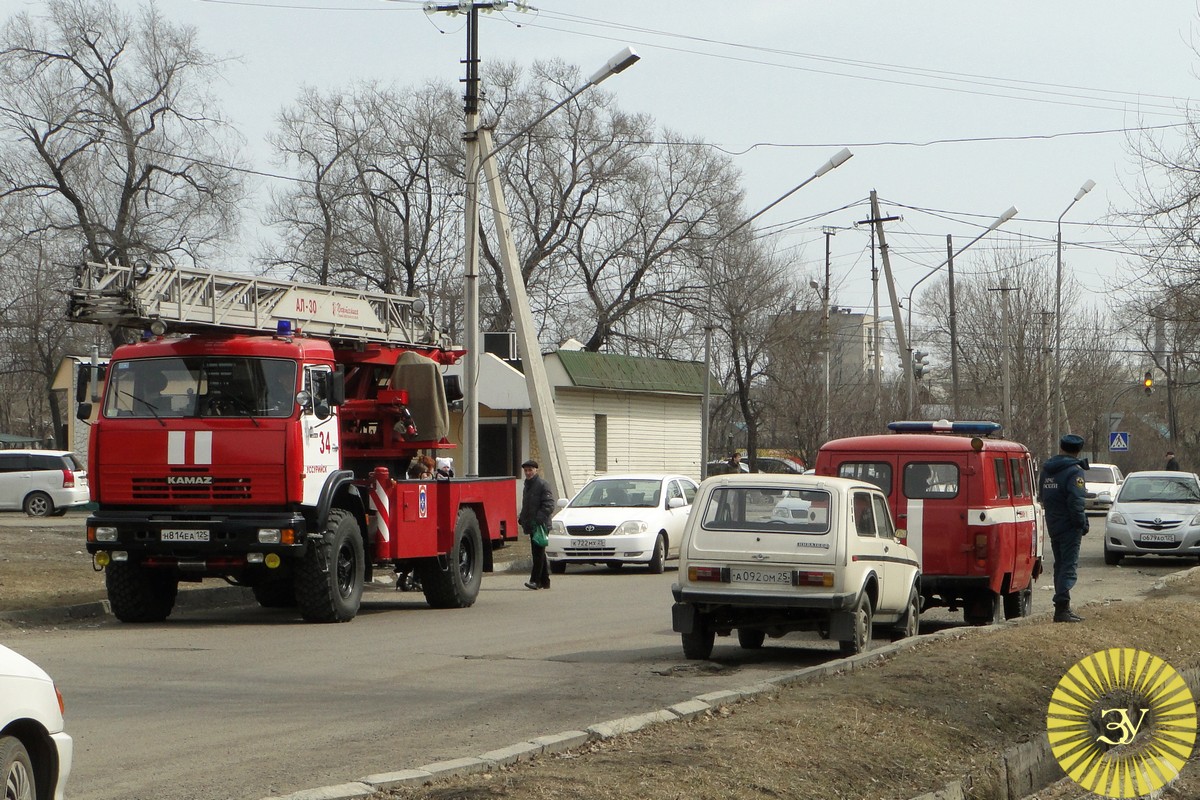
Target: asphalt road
(244, 703)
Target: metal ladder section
(195, 299)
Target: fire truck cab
(965, 501)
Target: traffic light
(1148, 383)
(920, 364)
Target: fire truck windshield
(201, 386)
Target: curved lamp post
(1058, 415)
(996, 223)
(839, 158)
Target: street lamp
(618, 63)
(1057, 415)
(996, 223)
(839, 158)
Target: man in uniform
(1063, 492)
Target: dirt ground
(923, 718)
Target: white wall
(646, 432)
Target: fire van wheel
(984, 608)
(38, 504)
(862, 629)
(16, 769)
(329, 584)
(137, 594)
(1018, 604)
(457, 586)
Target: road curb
(190, 599)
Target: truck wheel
(985, 608)
(16, 770)
(458, 585)
(862, 629)
(558, 567)
(275, 593)
(751, 639)
(1018, 604)
(698, 645)
(657, 560)
(38, 504)
(329, 585)
(137, 594)
(910, 624)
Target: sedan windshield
(624, 492)
(1159, 489)
(160, 388)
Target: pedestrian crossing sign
(1118, 442)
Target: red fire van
(967, 503)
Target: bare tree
(106, 120)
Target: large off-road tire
(329, 584)
(698, 645)
(751, 639)
(138, 594)
(38, 504)
(1018, 604)
(16, 771)
(910, 624)
(658, 560)
(860, 641)
(985, 608)
(275, 593)
(457, 586)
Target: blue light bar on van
(283, 328)
(971, 428)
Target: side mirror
(902, 536)
(676, 502)
(337, 388)
(83, 376)
(453, 387)
(83, 411)
(561, 502)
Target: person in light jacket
(537, 507)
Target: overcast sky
(954, 110)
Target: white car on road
(1102, 482)
(35, 752)
(622, 519)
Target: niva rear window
(767, 510)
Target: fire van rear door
(934, 493)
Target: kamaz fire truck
(261, 432)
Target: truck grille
(158, 490)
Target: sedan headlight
(557, 527)
(1195, 521)
(1116, 518)
(631, 527)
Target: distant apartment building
(852, 351)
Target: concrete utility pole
(825, 332)
(901, 339)
(953, 327)
(873, 221)
(1005, 352)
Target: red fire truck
(261, 432)
(966, 502)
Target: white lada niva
(766, 555)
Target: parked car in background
(622, 519)
(774, 465)
(767, 555)
(1156, 513)
(724, 468)
(1103, 481)
(41, 482)
(35, 751)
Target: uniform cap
(1071, 443)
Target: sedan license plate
(1156, 537)
(768, 576)
(587, 543)
(184, 535)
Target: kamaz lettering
(189, 480)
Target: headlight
(631, 527)
(557, 527)
(269, 535)
(105, 533)
(1116, 518)
(1195, 520)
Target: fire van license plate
(184, 535)
(1156, 537)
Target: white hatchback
(35, 752)
(41, 482)
(622, 519)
